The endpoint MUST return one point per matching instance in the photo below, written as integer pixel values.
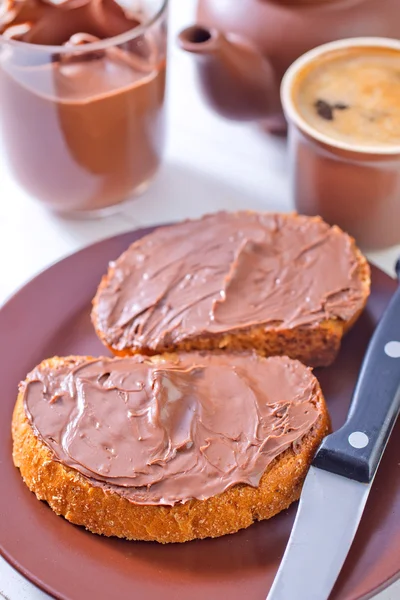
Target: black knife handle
(374, 407)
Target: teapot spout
(236, 79)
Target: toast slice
(279, 284)
(50, 443)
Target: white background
(210, 164)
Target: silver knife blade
(329, 512)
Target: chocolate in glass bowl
(82, 98)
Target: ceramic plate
(50, 316)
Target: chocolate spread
(93, 123)
(51, 22)
(224, 272)
(162, 433)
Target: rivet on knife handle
(355, 450)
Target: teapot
(243, 47)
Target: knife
(337, 485)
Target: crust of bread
(315, 346)
(73, 496)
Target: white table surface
(210, 164)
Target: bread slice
(71, 494)
(315, 341)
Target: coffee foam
(306, 63)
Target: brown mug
(243, 48)
(351, 185)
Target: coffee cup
(342, 104)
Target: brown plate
(50, 316)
